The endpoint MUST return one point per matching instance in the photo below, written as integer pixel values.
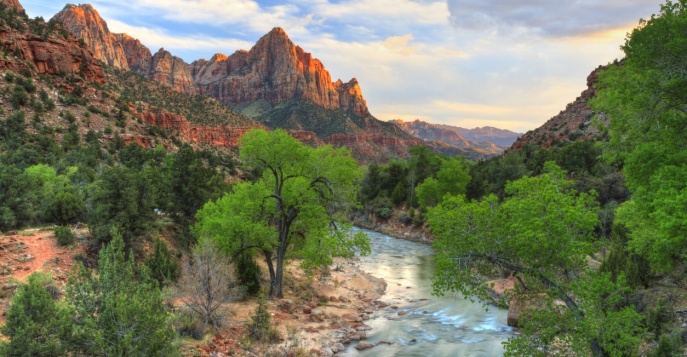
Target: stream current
(438, 326)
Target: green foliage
(125, 199)
(293, 208)
(163, 266)
(542, 232)
(260, 328)
(248, 273)
(668, 346)
(119, 312)
(660, 318)
(64, 235)
(36, 325)
(452, 179)
(644, 99)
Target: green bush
(260, 328)
(659, 319)
(248, 274)
(668, 346)
(64, 235)
(163, 266)
(36, 325)
(187, 324)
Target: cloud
(156, 38)
(548, 18)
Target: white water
(440, 326)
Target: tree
(124, 199)
(645, 98)
(206, 282)
(36, 325)
(119, 312)
(542, 232)
(452, 179)
(294, 209)
(164, 267)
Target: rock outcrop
(171, 71)
(217, 136)
(275, 70)
(572, 124)
(84, 22)
(13, 4)
(52, 55)
(138, 56)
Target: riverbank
(397, 226)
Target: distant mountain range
(488, 140)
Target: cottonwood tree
(294, 209)
(542, 232)
(206, 282)
(645, 97)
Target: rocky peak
(171, 71)
(138, 56)
(84, 22)
(13, 4)
(275, 70)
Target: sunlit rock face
(275, 70)
(84, 22)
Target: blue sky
(504, 63)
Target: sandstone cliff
(275, 70)
(171, 71)
(53, 55)
(138, 56)
(572, 124)
(84, 22)
(13, 4)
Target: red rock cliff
(13, 4)
(54, 55)
(84, 22)
(138, 56)
(171, 71)
(217, 136)
(276, 70)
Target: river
(439, 326)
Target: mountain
(275, 70)
(487, 141)
(499, 137)
(574, 123)
(276, 83)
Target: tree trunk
(270, 268)
(276, 287)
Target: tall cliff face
(171, 71)
(84, 22)
(275, 70)
(138, 56)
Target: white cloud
(156, 38)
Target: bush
(260, 328)
(64, 235)
(248, 274)
(163, 266)
(36, 325)
(187, 324)
(668, 346)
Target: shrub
(248, 274)
(260, 328)
(64, 235)
(188, 324)
(36, 325)
(163, 266)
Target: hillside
(574, 123)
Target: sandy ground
(317, 317)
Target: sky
(511, 64)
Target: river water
(439, 326)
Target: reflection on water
(439, 326)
